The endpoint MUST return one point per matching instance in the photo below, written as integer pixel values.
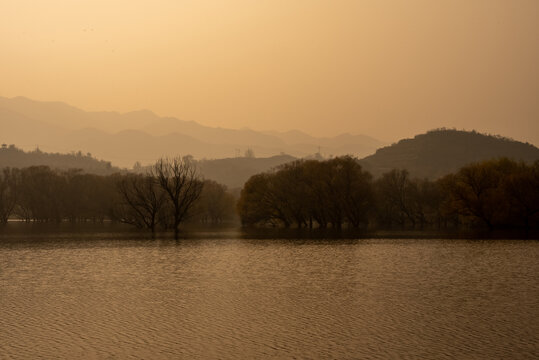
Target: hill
(442, 151)
(234, 172)
(10, 156)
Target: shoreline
(22, 230)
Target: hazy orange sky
(389, 69)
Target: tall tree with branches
(179, 179)
(143, 200)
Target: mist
(388, 70)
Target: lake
(222, 295)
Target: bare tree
(394, 192)
(179, 179)
(143, 199)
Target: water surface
(117, 295)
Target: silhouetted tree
(289, 193)
(351, 190)
(318, 199)
(522, 190)
(8, 193)
(215, 204)
(426, 199)
(180, 181)
(336, 192)
(333, 192)
(142, 200)
(40, 194)
(258, 203)
(486, 192)
(394, 193)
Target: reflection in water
(111, 295)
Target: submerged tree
(179, 179)
(258, 204)
(393, 199)
(301, 193)
(351, 190)
(215, 205)
(8, 193)
(406, 202)
(143, 200)
(497, 193)
(40, 194)
(522, 189)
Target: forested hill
(234, 172)
(11, 156)
(440, 152)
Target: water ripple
(230, 299)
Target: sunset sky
(389, 69)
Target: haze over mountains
(144, 136)
(431, 155)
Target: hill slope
(234, 172)
(12, 157)
(440, 152)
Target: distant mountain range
(143, 136)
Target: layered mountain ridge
(124, 138)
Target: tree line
(496, 194)
(170, 193)
(336, 193)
